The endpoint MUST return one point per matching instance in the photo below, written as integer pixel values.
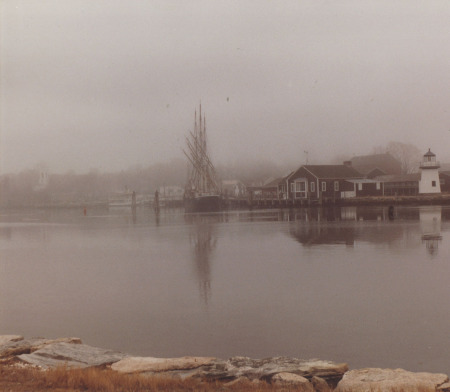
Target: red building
(320, 182)
(444, 179)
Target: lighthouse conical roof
(429, 154)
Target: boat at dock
(203, 203)
(123, 199)
(202, 191)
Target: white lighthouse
(429, 174)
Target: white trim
(304, 192)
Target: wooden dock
(249, 203)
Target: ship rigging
(202, 192)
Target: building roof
(429, 154)
(399, 177)
(273, 183)
(333, 171)
(267, 186)
(384, 162)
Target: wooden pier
(249, 203)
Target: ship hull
(210, 203)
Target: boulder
(239, 382)
(4, 339)
(213, 369)
(267, 368)
(390, 380)
(320, 385)
(26, 346)
(444, 387)
(71, 355)
(156, 365)
(300, 383)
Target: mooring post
(156, 201)
(133, 200)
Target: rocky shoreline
(308, 375)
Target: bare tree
(407, 154)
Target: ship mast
(202, 176)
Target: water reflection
(320, 214)
(286, 282)
(312, 226)
(430, 226)
(319, 235)
(203, 241)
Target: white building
(429, 174)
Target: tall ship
(202, 191)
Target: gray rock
(72, 355)
(390, 380)
(4, 339)
(150, 364)
(300, 383)
(265, 369)
(213, 369)
(26, 346)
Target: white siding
(427, 177)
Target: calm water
(345, 284)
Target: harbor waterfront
(347, 284)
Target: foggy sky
(109, 84)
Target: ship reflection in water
(203, 241)
(430, 225)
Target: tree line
(26, 188)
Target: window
(433, 183)
(300, 189)
(313, 188)
(324, 186)
(336, 186)
(378, 186)
(360, 186)
(292, 187)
